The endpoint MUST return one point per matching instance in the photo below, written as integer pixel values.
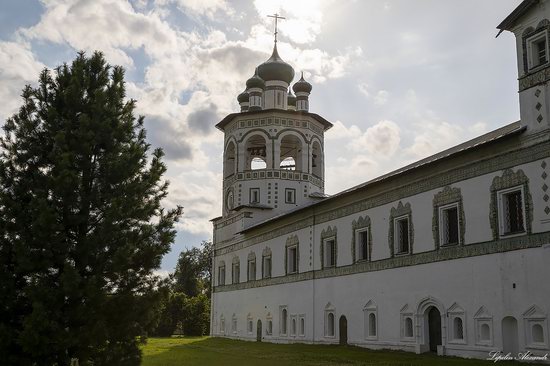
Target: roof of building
(500, 133)
(515, 15)
(224, 122)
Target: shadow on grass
(220, 351)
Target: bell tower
(530, 23)
(273, 160)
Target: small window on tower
(254, 195)
(537, 50)
(290, 195)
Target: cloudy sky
(400, 79)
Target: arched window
(256, 152)
(537, 333)
(330, 324)
(293, 329)
(316, 159)
(288, 164)
(302, 326)
(409, 331)
(258, 163)
(229, 161)
(372, 325)
(291, 153)
(458, 328)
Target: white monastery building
(450, 254)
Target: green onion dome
(243, 97)
(255, 81)
(276, 69)
(302, 86)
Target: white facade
(450, 255)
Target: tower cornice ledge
(230, 117)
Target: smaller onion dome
(276, 69)
(291, 99)
(243, 97)
(302, 85)
(255, 81)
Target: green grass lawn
(206, 351)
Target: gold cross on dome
(276, 17)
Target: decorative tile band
(457, 252)
(533, 79)
(429, 182)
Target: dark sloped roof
(518, 12)
(224, 122)
(508, 130)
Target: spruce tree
(81, 222)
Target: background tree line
(185, 305)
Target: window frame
(249, 272)
(358, 245)
(441, 211)
(333, 251)
(293, 191)
(302, 325)
(530, 44)
(264, 258)
(234, 324)
(283, 323)
(327, 324)
(483, 317)
(235, 273)
(396, 236)
(250, 325)
(407, 313)
(221, 273)
(535, 316)
(252, 191)
(296, 264)
(370, 309)
(501, 208)
(293, 325)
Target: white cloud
(381, 139)
(364, 89)
(18, 66)
(208, 8)
(381, 97)
(303, 18)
